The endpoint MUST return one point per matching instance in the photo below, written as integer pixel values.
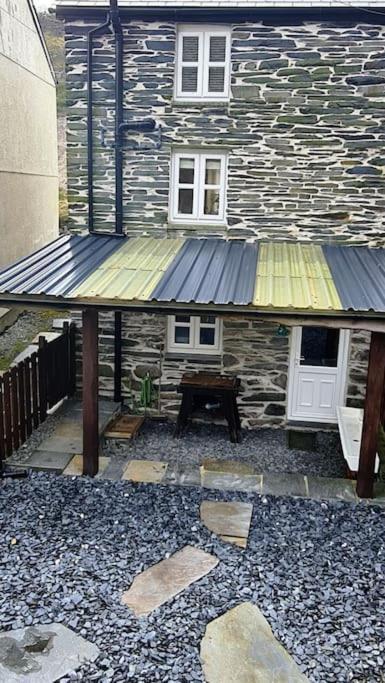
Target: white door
(317, 373)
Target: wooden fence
(33, 386)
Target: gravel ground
(316, 570)
(266, 449)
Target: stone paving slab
(235, 540)
(31, 348)
(46, 461)
(62, 444)
(227, 519)
(227, 466)
(239, 647)
(163, 581)
(231, 482)
(48, 336)
(42, 654)
(75, 467)
(323, 488)
(69, 428)
(148, 471)
(284, 484)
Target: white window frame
(203, 33)
(194, 346)
(199, 186)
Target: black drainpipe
(90, 149)
(118, 34)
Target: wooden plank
(34, 382)
(118, 357)
(372, 415)
(2, 429)
(124, 427)
(28, 398)
(42, 372)
(15, 409)
(21, 397)
(72, 360)
(7, 413)
(90, 393)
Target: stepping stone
(283, 484)
(69, 428)
(239, 647)
(325, 488)
(75, 467)
(62, 444)
(227, 466)
(231, 521)
(42, 654)
(46, 461)
(231, 482)
(164, 580)
(148, 471)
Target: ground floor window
(194, 334)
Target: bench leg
(183, 415)
(228, 409)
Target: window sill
(200, 103)
(179, 224)
(200, 357)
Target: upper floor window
(203, 63)
(198, 184)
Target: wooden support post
(372, 415)
(118, 357)
(90, 393)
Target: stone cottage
(238, 121)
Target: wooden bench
(350, 428)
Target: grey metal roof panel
(222, 4)
(359, 276)
(55, 269)
(210, 271)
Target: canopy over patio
(299, 282)
(238, 276)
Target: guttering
(90, 147)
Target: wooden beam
(372, 415)
(118, 357)
(90, 393)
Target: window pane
(182, 318)
(211, 207)
(319, 346)
(189, 79)
(216, 79)
(217, 48)
(208, 319)
(213, 172)
(190, 49)
(182, 335)
(185, 201)
(186, 171)
(207, 336)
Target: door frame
(341, 381)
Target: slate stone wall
(251, 350)
(304, 130)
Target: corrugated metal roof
(219, 4)
(60, 266)
(210, 271)
(96, 269)
(132, 272)
(359, 275)
(294, 276)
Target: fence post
(2, 430)
(7, 413)
(15, 408)
(72, 359)
(28, 398)
(42, 370)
